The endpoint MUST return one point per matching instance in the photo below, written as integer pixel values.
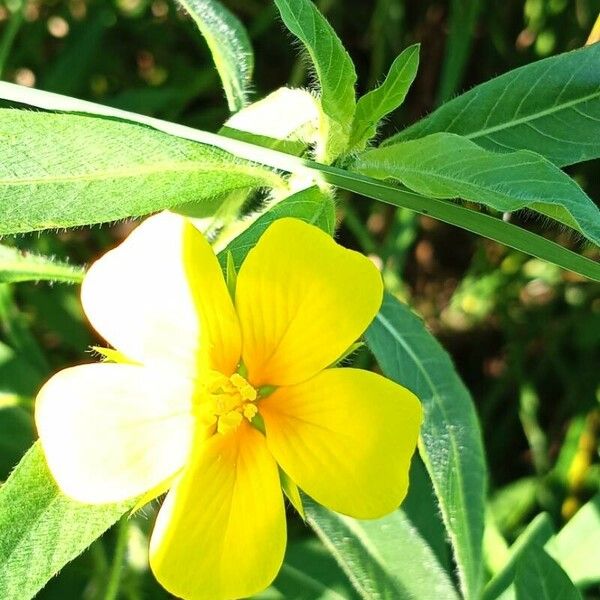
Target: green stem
(358, 229)
(10, 33)
(116, 569)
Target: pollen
(227, 401)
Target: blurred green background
(525, 336)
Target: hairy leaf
(384, 558)
(551, 107)
(60, 170)
(334, 68)
(230, 46)
(450, 442)
(41, 530)
(16, 265)
(449, 212)
(445, 165)
(376, 104)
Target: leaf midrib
(148, 170)
(531, 117)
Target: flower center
(228, 401)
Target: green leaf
(537, 533)
(376, 104)
(41, 530)
(60, 170)
(576, 545)
(16, 265)
(422, 509)
(334, 68)
(310, 205)
(539, 577)
(449, 212)
(445, 165)
(230, 46)
(384, 558)
(310, 573)
(551, 107)
(450, 442)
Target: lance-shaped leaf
(41, 530)
(536, 534)
(576, 545)
(450, 442)
(445, 165)
(230, 47)
(376, 104)
(16, 265)
(384, 558)
(60, 170)
(539, 577)
(551, 107)
(334, 68)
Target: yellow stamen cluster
(228, 400)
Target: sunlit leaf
(60, 170)
(229, 45)
(334, 69)
(450, 442)
(376, 104)
(40, 529)
(445, 165)
(384, 558)
(449, 212)
(539, 577)
(551, 107)
(537, 533)
(16, 265)
(576, 545)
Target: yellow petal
(161, 296)
(221, 532)
(111, 432)
(346, 437)
(302, 300)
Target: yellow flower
(215, 398)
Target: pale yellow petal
(221, 532)
(160, 296)
(302, 300)
(111, 432)
(346, 437)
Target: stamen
(229, 401)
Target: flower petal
(220, 533)
(302, 300)
(111, 432)
(161, 296)
(346, 437)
